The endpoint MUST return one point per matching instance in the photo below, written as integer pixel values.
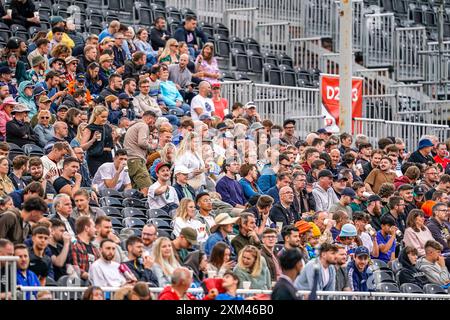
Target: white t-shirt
(157, 202)
(106, 274)
(206, 104)
(179, 224)
(107, 171)
(367, 241)
(49, 164)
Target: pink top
(209, 68)
(4, 118)
(417, 239)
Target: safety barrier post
(379, 30)
(8, 277)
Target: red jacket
(169, 294)
(399, 181)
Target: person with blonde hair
(188, 156)
(6, 185)
(207, 63)
(44, 129)
(165, 261)
(170, 54)
(100, 151)
(185, 217)
(165, 155)
(250, 267)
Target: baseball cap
(256, 126)
(361, 251)
(80, 77)
(349, 192)
(325, 173)
(38, 90)
(5, 70)
(221, 126)
(123, 95)
(181, 169)
(205, 116)
(63, 106)
(160, 165)
(340, 177)
(373, 198)
(190, 234)
(56, 19)
(323, 131)
(44, 99)
(249, 105)
(418, 190)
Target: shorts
(139, 175)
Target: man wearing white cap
(250, 113)
(183, 189)
(220, 232)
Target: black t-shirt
(60, 183)
(59, 271)
(41, 266)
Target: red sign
(330, 100)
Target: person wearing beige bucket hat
(220, 231)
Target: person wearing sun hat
(161, 193)
(5, 114)
(304, 230)
(220, 231)
(423, 152)
(19, 131)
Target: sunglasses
(44, 118)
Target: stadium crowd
(122, 166)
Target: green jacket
(21, 71)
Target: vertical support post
(345, 69)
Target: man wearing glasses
(430, 178)
(440, 228)
(289, 132)
(269, 239)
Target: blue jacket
(213, 239)
(29, 280)
(170, 93)
(231, 191)
(306, 278)
(267, 179)
(248, 190)
(274, 193)
(359, 281)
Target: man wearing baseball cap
(219, 233)
(161, 193)
(185, 240)
(58, 21)
(43, 103)
(6, 77)
(323, 192)
(183, 189)
(358, 271)
(347, 196)
(250, 113)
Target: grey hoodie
(324, 199)
(433, 271)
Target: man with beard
(359, 272)
(380, 175)
(139, 262)
(291, 237)
(59, 244)
(342, 279)
(114, 87)
(104, 272)
(372, 164)
(228, 187)
(430, 178)
(374, 210)
(83, 252)
(327, 273)
(397, 212)
(36, 171)
(149, 235)
(103, 225)
(406, 191)
(70, 180)
(347, 196)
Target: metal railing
(303, 52)
(316, 16)
(411, 132)
(273, 37)
(439, 111)
(379, 31)
(241, 21)
(65, 293)
(237, 91)
(357, 20)
(8, 277)
(409, 64)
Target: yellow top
(6, 186)
(65, 39)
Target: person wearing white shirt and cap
(161, 193)
(183, 189)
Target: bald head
(184, 60)
(204, 88)
(286, 196)
(310, 137)
(181, 279)
(60, 128)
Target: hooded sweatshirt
(409, 273)
(399, 181)
(359, 281)
(324, 199)
(433, 271)
(193, 262)
(28, 101)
